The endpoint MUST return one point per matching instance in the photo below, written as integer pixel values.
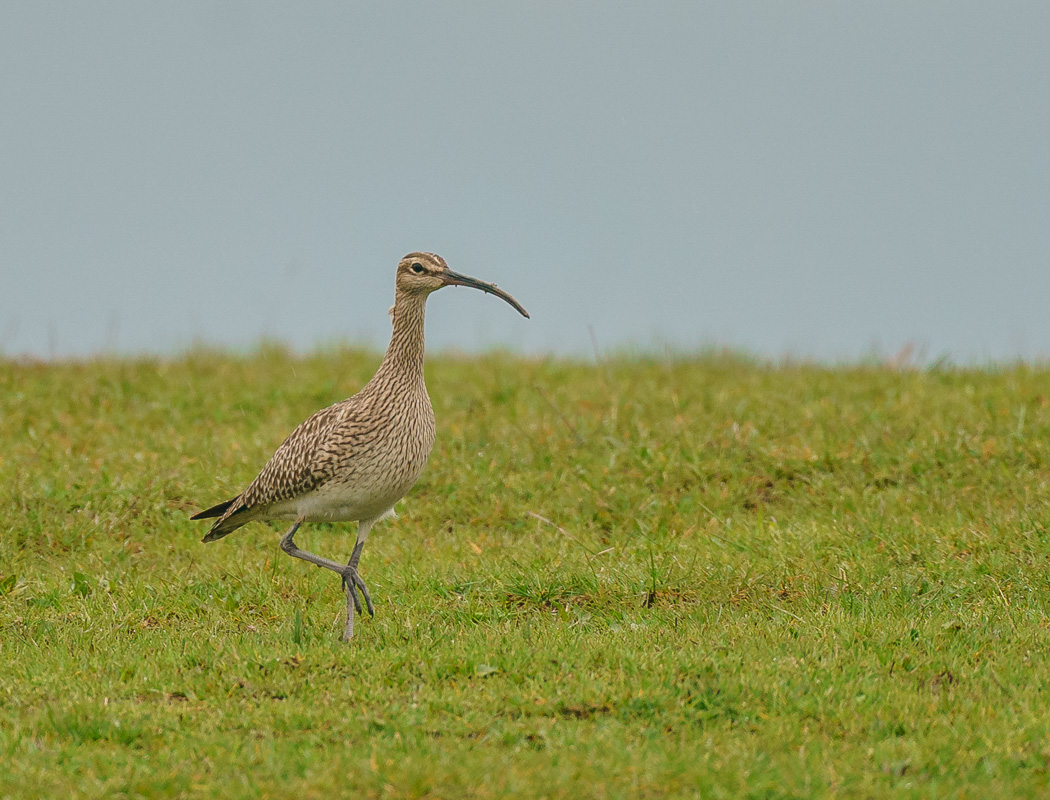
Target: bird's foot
(352, 582)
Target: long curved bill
(455, 279)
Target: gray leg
(291, 549)
(353, 581)
(289, 546)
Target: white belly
(352, 501)
(344, 504)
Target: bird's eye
(417, 268)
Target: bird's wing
(301, 463)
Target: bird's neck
(404, 354)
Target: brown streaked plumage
(352, 461)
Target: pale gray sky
(819, 179)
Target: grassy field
(652, 577)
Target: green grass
(690, 576)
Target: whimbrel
(352, 461)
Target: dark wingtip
(214, 511)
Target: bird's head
(423, 273)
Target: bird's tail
(230, 519)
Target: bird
(352, 461)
